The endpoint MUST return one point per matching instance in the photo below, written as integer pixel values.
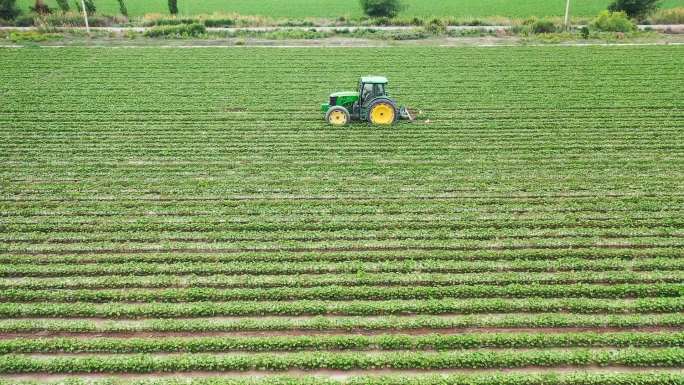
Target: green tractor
(370, 103)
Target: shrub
(382, 8)
(75, 19)
(173, 7)
(181, 30)
(41, 8)
(122, 8)
(543, 26)
(29, 37)
(89, 5)
(8, 9)
(25, 20)
(63, 5)
(668, 16)
(224, 22)
(585, 32)
(613, 22)
(637, 9)
(436, 27)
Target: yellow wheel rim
(337, 118)
(382, 113)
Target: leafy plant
(173, 7)
(382, 8)
(668, 16)
(613, 22)
(122, 7)
(63, 5)
(543, 26)
(8, 9)
(436, 27)
(89, 6)
(584, 32)
(636, 9)
(181, 30)
(41, 8)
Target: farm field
(188, 212)
(334, 9)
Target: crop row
(318, 343)
(345, 185)
(342, 279)
(588, 253)
(154, 135)
(343, 293)
(249, 224)
(443, 233)
(463, 204)
(287, 245)
(292, 268)
(585, 378)
(468, 197)
(333, 323)
(669, 357)
(441, 306)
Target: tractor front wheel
(382, 111)
(337, 116)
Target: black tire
(383, 101)
(334, 114)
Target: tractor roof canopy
(374, 80)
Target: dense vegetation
(334, 8)
(200, 216)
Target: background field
(335, 8)
(193, 197)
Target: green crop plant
(389, 307)
(341, 324)
(183, 218)
(316, 343)
(142, 363)
(345, 293)
(451, 379)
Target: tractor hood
(344, 94)
(346, 99)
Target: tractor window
(371, 91)
(367, 92)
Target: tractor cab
(369, 103)
(371, 87)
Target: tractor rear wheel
(382, 111)
(337, 116)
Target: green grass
(199, 191)
(333, 9)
